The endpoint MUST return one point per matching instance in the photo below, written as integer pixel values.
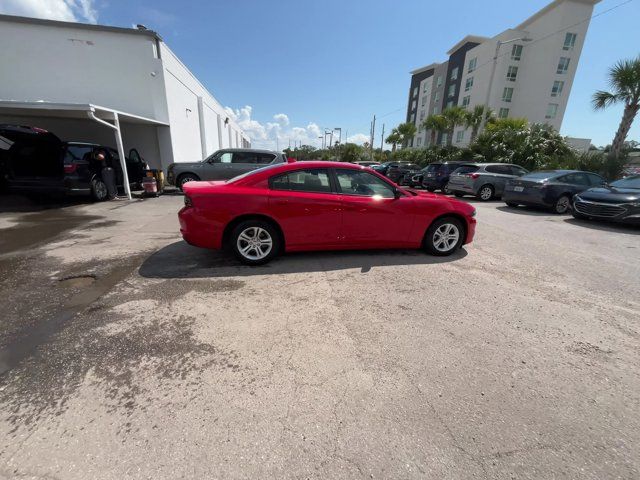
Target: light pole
(321, 143)
(499, 43)
(340, 134)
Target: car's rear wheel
(186, 178)
(99, 191)
(444, 236)
(486, 193)
(429, 189)
(255, 242)
(562, 205)
(512, 204)
(446, 190)
(459, 195)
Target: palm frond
(602, 99)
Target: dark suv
(35, 161)
(436, 175)
(398, 172)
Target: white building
(530, 76)
(67, 77)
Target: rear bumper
(197, 232)
(534, 199)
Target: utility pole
(373, 134)
(382, 140)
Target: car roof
(250, 150)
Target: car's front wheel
(186, 178)
(562, 205)
(444, 236)
(255, 242)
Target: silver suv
(483, 180)
(222, 165)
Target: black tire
(99, 191)
(186, 177)
(446, 190)
(562, 205)
(485, 193)
(429, 189)
(512, 204)
(458, 194)
(432, 239)
(257, 230)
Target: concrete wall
(58, 63)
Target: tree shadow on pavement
(606, 227)
(10, 203)
(181, 260)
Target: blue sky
(335, 63)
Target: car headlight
(576, 198)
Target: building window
(503, 113)
(473, 63)
(436, 110)
(413, 118)
(437, 97)
(516, 52)
(444, 138)
(415, 92)
(421, 115)
(439, 81)
(512, 73)
(419, 142)
(425, 87)
(563, 65)
(468, 84)
(569, 41)
(557, 88)
(460, 136)
(413, 105)
(423, 101)
(466, 100)
(450, 104)
(454, 73)
(452, 90)
(507, 94)
(552, 111)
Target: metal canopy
(104, 116)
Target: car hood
(611, 194)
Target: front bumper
(611, 212)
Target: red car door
(306, 207)
(372, 216)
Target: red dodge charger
(319, 206)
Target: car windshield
(253, 172)
(538, 175)
(629, 182)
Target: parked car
(294, 207)
(398, 172)
(384, 167)
(483, 180)
(552, 189)
(35, 161)
(436, 175)
(222, 165)
(617, 202)
(368, 164)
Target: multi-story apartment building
(523, 72)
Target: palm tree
(454, 116)
(473, 119)
(624, 80)
(394, 139)
(435, 123)
(407, 131)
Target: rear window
(466, 169)
(538, 175)
(433, 168)
(77, 153)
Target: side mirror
(396, 193)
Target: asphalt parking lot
(125, 353)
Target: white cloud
(280, 133)
(67, 10)
(359, 138)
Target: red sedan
(319, 206)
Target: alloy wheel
(446, 237)
(563, 204)
(254, 243)
(486, 193)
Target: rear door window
(245, 157)
(516, 170)
(433, 168)
(265, 158)
(314, 180)
(575, 179)
(499, 169)
(78, 154)
(465, 169)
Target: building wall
(197, 131)
(73, 65)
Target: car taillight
(70, 168)
(474, 175)
(187, 201)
